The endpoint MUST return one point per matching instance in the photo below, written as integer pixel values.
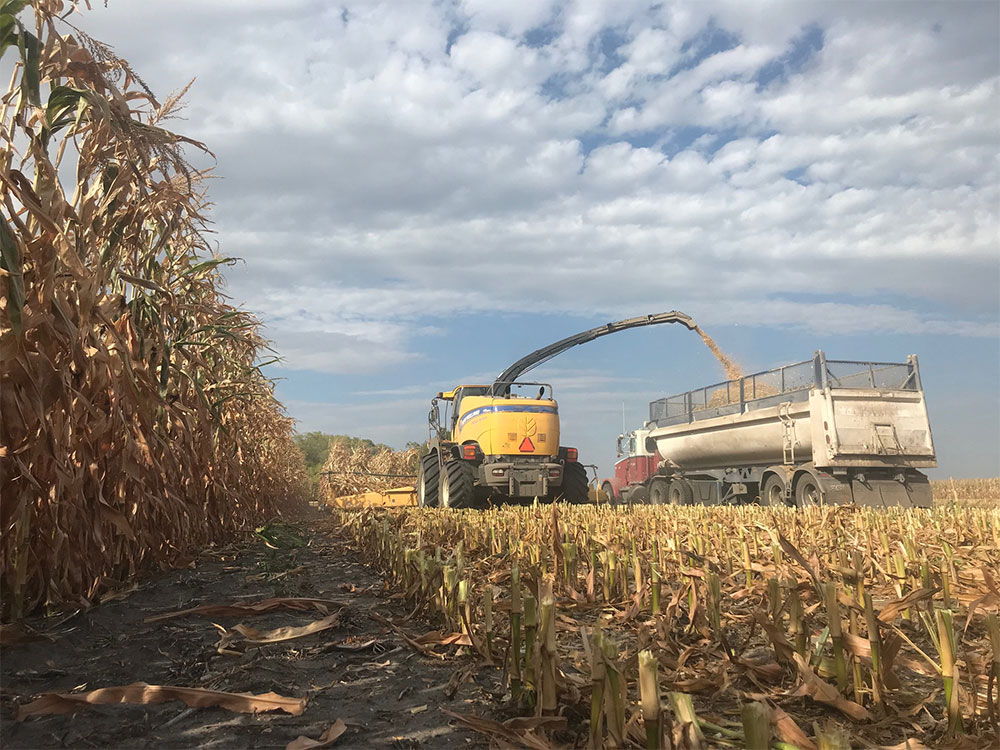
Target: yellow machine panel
(509, 426)
(399, 497)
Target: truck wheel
(575, 488)
(457, 485)
(659, 492)
(427, 482)
(680, 492)
(609, 491)
(773, 492)
(807, 492)
(637, 495)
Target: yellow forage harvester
(500, 443)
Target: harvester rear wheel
(659, 492)
(457, 485)
(575, 488)
(681, 492)
(427, 481)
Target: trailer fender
(833, 491)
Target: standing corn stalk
(949, 670)
(135, 422)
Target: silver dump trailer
(831, 431)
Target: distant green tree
(315, 446)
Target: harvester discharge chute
(500, 442)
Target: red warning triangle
(527, 445)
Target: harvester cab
(500, 442)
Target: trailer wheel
(807, 492)
(680, 492)
(457, 485)
(608, 490)
(575, 488)
(427, 481)
(773, 491)
(659, 492)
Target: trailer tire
(427, 481)
(659, 492)
(575, 488)
(807, 491)
(457, 485)
(609, 490)
(681, 492)
(773, 491)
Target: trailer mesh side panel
(761, 390)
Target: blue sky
(423, 192)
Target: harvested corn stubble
(779, 613)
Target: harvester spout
(546, 353)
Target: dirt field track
(360, 671)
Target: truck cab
(635, 464)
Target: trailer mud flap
(885, 493)
(835, 492)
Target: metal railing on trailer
(782, 384)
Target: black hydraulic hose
(546, 353)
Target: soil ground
(388, 694)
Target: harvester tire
(659, 492)
(457, 485)
(427, 481)
(575, 488)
